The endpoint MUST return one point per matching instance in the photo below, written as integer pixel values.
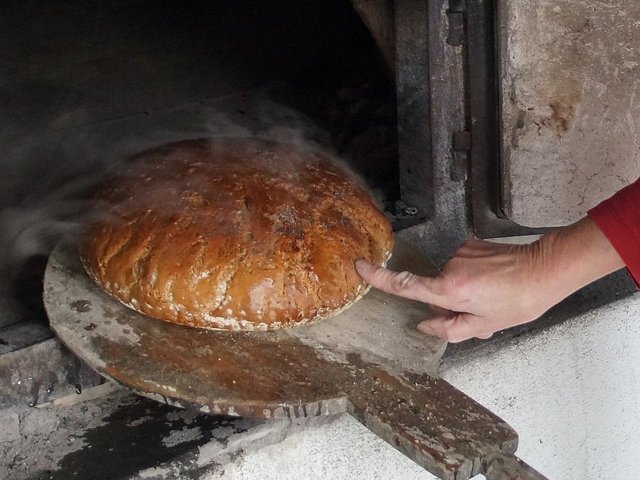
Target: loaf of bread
(238, 234)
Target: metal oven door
(553, 109)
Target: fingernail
(362, 265)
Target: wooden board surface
(368, 361)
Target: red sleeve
(619, 219)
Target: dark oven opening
(84, 85)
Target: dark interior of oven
(84, 84)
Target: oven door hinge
(455, 13)
(461, 145)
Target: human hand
(487, 286)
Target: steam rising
(47, 178)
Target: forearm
(576, 256)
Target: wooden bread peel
(368, 361)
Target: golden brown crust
(234, 234)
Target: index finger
(405, 284)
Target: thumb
(456, 327)
(404, 284)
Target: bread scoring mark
(168, 289)
(220, 297)
(196, 266)
(111, 249)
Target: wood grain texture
(368, 361)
